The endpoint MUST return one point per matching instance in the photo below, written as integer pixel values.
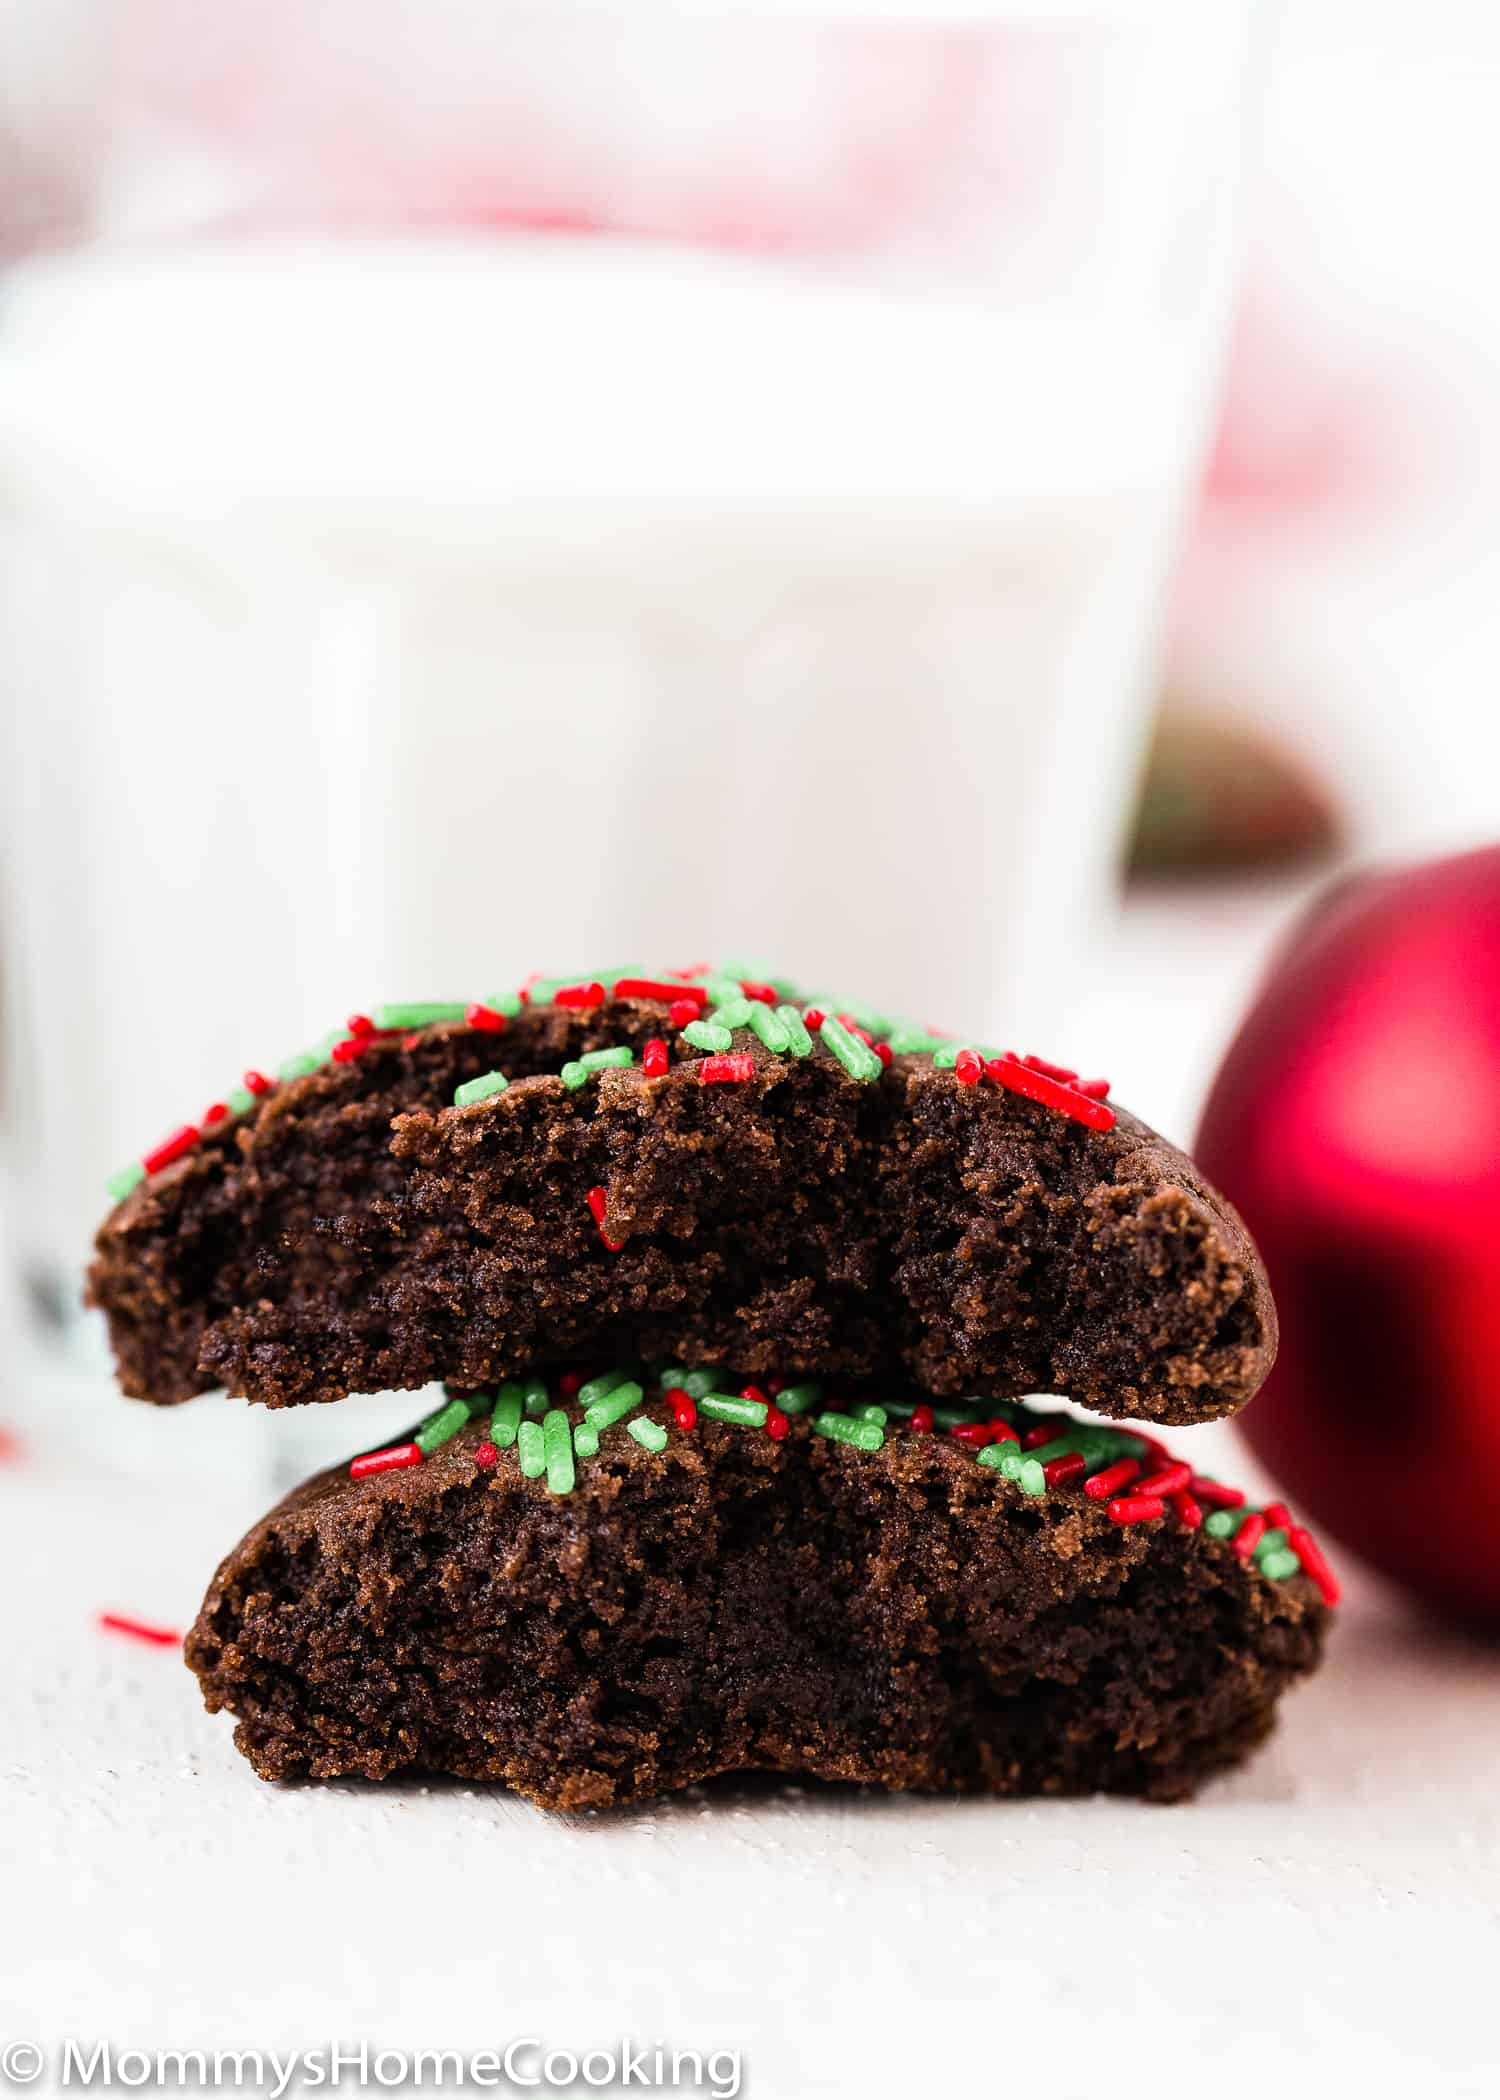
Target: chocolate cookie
(710, 1170)
(602, 1594)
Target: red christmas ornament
(1356, 1123)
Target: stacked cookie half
(734, 1298)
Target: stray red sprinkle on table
(1135, 1509)
(685, 1408)
(738, 1064)
(174, 1147)
(968, 1068)
(654, 1058)
(1103, 1485)
(1170, 1481)
(391, 1460)
(1308, 1551)
(360, 1024)
(922, 1420)
(683, 1011)
(598, 1202)
(485, 1455)
(1050, 1093)
(777, 1424)
(1250, 1534)
(1059, 1471)
(257, 1083)
(580, 995)
(481, 1016)
(655, 988)
(1187, 1511)
(138, 1630)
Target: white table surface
(1328, 1914)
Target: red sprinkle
(697, 969)
(738, 1064)
(216, 1112)
(581, 995)
(1170, 1481)
(777, 1424)
(352, 1047)
(1042, 1434)
(1250, 1534)
(10, 1448)
(682, 1011)
(653, 988)
(1096, 1089)
(764, 993)
(1215, 1494)
(569, 1383)
(1059, 1471)
(174, 1147)
(1186, 1511)
(968, 1068)
(975, 1434)
(654, 1058)
(921, 1419)
(752, 1392)
(390, 1460)
(410, 1042)
(1003, 1433)
(598, 1202)
(777, 1385)
(257, 1083)
(814, 1017)
(1050, 1093)
(854, 1028)
(360, 1024)
(1103, 1485)
(481, 1016)
(485, 1455)
(685, 1408)
(138, 1630)
(885, 1053)
(1278, 1516)
(1135, 1509)
(1065, 1073)
(1308, 1551)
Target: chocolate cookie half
(707, 1169)
(600, 1594)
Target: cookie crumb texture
(733, 1604)
(357, 1232)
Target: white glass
(727, 516)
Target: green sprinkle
(870, 1412)
(905, 1041)
(946, 1058)
(1279, 1565)
(529, 1445)
(1022, 1469)
(903, 1410)
(621, 1054)
(706, 1035)
(771, 1029)
(1270, 1542)
(535, 1397)
(694, 1383)
(119, 1185)
(798, 1040)
(574, 1074)
(446, 1422)
(857, 1059)
(299, 1066)
(1079, 1441)
(479, 1089)
(865, 1436)
(797, 1399)
(507, 1003)
(867, 1016)
(722, 990)
(418, 1016)
(596, 1389)
(626, 1397)
(586, 1440)
(730, 1407)
(1224, 1523)
(506, 1419)
(650, 1435)
(240, 1101)
(557, 1452)
(961, 1412)
(734, 1013)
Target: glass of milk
(688, 482)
